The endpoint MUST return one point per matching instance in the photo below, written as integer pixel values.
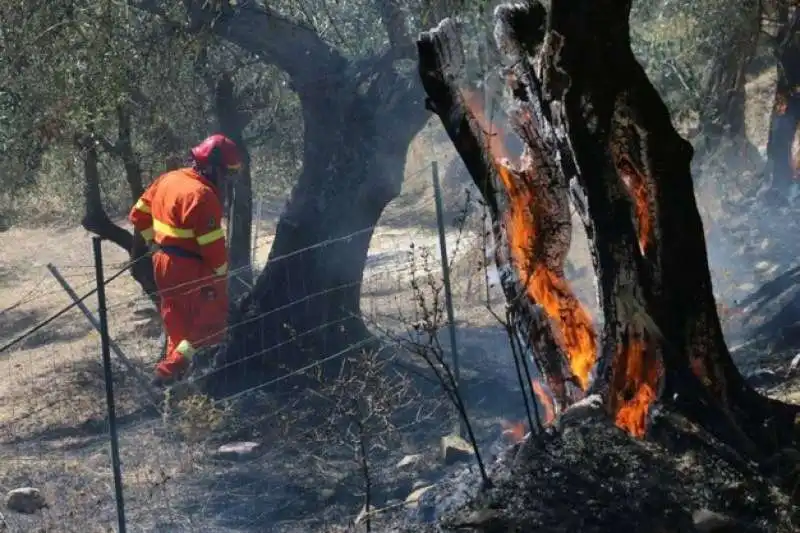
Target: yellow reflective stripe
(186, 349)
(211, 236)
(170, 231)
(141, 206)
(148, 234)
(221, 270)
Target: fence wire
(303, 469)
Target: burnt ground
(590, 476)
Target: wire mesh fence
(261, 459)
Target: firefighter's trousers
(194, 308)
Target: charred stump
(597, 133)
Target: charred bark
(783, 144)
(590, 114)
(240, 193)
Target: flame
(513, 431)
(635, 182)
(635, 374)
(544, 400)
(545, 287)
(635, 384)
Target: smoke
(748, 241)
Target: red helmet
(216, 151)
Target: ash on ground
(590, 476)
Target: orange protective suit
(181, 212)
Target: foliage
(676, 42)
(67, 65)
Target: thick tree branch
(296, 49)
(95, 218)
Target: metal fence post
(257, 222)
(448, 293)
(106, 349)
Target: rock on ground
(26, 500)
(239, 450)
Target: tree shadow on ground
(7, 276)
(63, 329)
(66, 409)
(773, 312)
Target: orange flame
(635, 386)
(513, 431)
(635, 375)
(544, 401)
(544, 286)
(635, 183)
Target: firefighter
(179, 216)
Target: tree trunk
(95, 218)
(240, 195)
(305, 305)
(783, 144)
(142, 266)
(359, 118)
(585, 106)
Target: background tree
(785, 117)
(361, 107)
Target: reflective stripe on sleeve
(141, 206)
(148, 234)
(186, 349)
(221, 270)
(211, 236)
(171, 231)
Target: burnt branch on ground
(597, 133)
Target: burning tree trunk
(596, 131)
